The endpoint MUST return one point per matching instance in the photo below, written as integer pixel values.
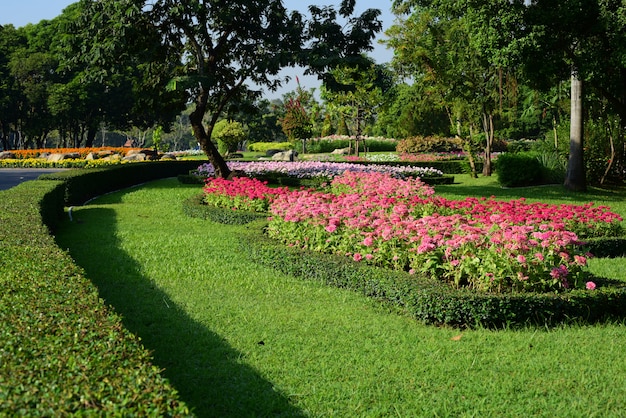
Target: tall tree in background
(219, 47)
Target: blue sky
(22, 12)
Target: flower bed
(481, 244)
(316, 169)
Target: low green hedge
(62, 350)
(608, 247)
(434, 302)
(85, 184)
(195, 208)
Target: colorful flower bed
(316, 169)
(483, 244)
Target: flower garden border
(428, 301)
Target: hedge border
(436, 303)
(85, 184)
(427, 300)
(63, 351)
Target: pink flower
(357, 257)
(521, 259)
(581, 261)
(368, 241)
(590, 285)
(368, 256)
(331, 228)
(539, 256)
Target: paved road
(10, 177)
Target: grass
(237, 339)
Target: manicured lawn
(237, 339)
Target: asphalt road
(10, 177)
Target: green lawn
(240, 340)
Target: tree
(359, 93)
(296, 122)
(218, 48)
(436, 46)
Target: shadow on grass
(203, 367)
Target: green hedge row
(434, 302)
(62, 351)
(85, 184)
(195, 208)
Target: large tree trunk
(204, 137)
(575, 177)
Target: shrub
(63, 351)
(266, 146)
(521, 169)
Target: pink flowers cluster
(480, 243)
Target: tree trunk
(575, 177)
(204, 137)
(488, 128)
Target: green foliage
(82, 185)
(228, 134)
(419, 144)
(266, 146)
(329, 144)
(520, 169)
(195, 207)
(63, 351)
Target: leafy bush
(228, 134)
(63, 351)
(521, 169)
(420, 144)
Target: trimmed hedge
(195, 208)
(85, 184)
(434, 302)
(63, 351)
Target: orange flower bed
(35, 153)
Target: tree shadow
(212, 381)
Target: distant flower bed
(317, 169)
(82, 152)
(483, 244)
(392, 156)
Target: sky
(22, 12)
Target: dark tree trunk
(575, 177)
(203, 137)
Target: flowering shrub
(483, 244)
(316, 169)
(241, 193)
